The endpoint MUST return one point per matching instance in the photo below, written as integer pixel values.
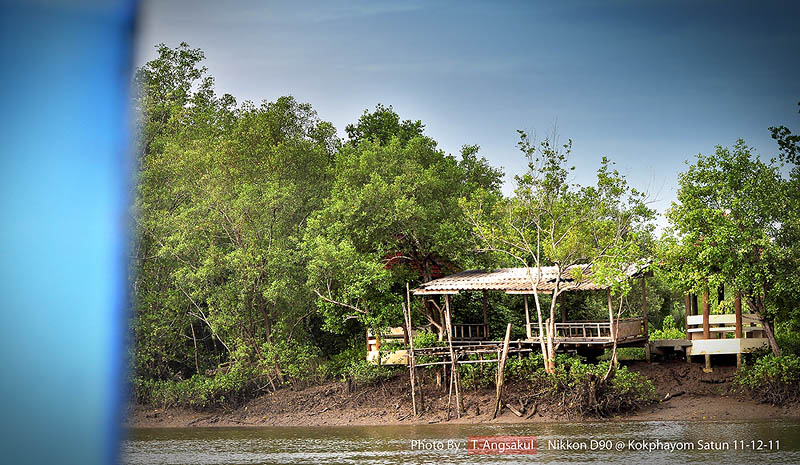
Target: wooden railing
(593, 331)
(391, 334)
(719, 325)
(470, 332)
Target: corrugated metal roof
(515, 280)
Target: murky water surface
(652, 442)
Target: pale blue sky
(648, 84)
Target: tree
(381, 126)
(731, 226)
(551, 222)
(222, 202)
(788, 143)
(392, 217)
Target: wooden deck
(594, 333)
(720, 328)
(471, 339)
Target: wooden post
(453, 365)
(695, 308)
(737, 309)
(706, 329)
(706, 312)
(644, 305)
(485, 316)
(528, 318)
(611, 330)
(687, 303)
(411, 370)
(563, 307)
(610, 315)
(450, 394)
(501, 365)
(411, 339)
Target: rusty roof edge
(482, 280)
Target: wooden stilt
(413, 357)
(706, 329)
(528, 319)
(411, 369)
(501, 365)
(687, 304)
(486, 315)
(644, 305)
(737, 309)
(450, 394)
(611, 329)
(453, 365)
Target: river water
(652, 442)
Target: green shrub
(625, 353)
(478, 375)
(771, 379)
(523, 368)
(298, 363)
(788, 337)
(352, 364)
(669, 330)
(426, 339)
(339, 364)
(578, 387)
(225, 387)
(583, 390)
(362, 372)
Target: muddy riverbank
(693, 395)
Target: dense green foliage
(575, 386)
(266, 246)
(736, 224)
(599, 231)
(669, 330)
(771, 379)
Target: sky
(647, 84)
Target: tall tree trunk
(757, 306)
(194, 340)
(267, 322)
(542, 343)
(773, 343)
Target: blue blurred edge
(65, 179)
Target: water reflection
(393, 444)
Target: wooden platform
(719, 328)
(594, 333)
